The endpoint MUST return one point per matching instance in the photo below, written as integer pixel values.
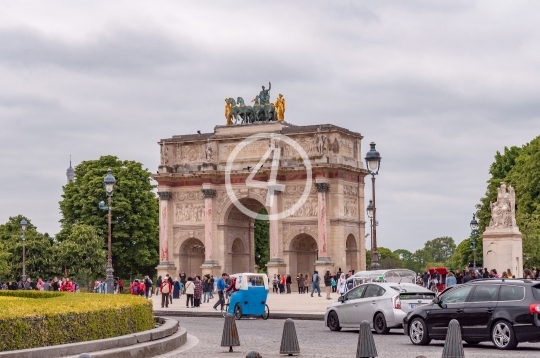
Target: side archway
(240, 256)
(303, 252)
(351, 250)
(191, 257)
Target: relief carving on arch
(188, 212)
(180, 236)
(291, 231)
(189, 195)
(350, 208)
(298, 189)
(308, 209)
(350, 190)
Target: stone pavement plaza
(294, 302)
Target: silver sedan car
(382, 304)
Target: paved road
(317, 341)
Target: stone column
(164, 264)
(208, 223)
(322, 189)
(210, 266)
(276, 262)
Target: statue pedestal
(503, 249)
(165, 268)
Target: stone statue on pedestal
(503, 211)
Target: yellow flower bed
(31, 319)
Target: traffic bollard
(366, 345)
(230, 333)
(289, 341)
(453, 344)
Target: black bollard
(230, 333)
(453, 344)
(289, 341)
(366, 345)
(253, 354)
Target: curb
(151, 337)
(273, 315)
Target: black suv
(503, 311)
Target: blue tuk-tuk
(250, 299)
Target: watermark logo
(274, 151)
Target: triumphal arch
(209, 183)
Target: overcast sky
(440, 86)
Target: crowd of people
(431, 280)
(51, 284)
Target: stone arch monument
(202, 229)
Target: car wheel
(502, 335)
(333, 321)
(237, 311)
(379, 323)
(418, 332)
(266, 313)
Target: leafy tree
(262, 242)
(4, 256)
(464, 255)
(440, 249)
(519, 167)
(387, 258)
(134, 214)
(38, 248)
(82, 252)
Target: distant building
(70, 173)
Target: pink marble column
(274, 229)
(208, 224)
(164, 226)
(322, 188)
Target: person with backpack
(328, 284)
(316, 282)
(165, 289)
(190, 291)
(134, 288)
(142, 288)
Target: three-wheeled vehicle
(440, 285)
(250, 299)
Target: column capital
(164, 195)
(322, 187)
(208, 193)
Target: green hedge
(30, 319)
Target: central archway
(239, 237)
(303, 252)
(191, 257)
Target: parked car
(382, 304)
(501, 310)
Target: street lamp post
(474, 237)
(369, 211)
(109, 182)
(373, 163)
(24, 225)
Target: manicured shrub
(31, 319)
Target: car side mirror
(437, 301)
(341, 299)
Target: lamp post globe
(474, 224)
(373, 163)
(108, 182)
(24, 226)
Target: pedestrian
(121, 286)
(300, 283)
(468, 276)
(176, 288)
(147, 286)
(158, 285)
(198, 291)
(183, 280)
(207, 288)
(282, 283)
(450, 280)
(212, 285)
(288, 283)
(306, 284)
(142, 288)
(190, 291)
(526, 273)
(328, 284)
(275, 283)
(425, 279)
(333, 282)
(315, 283)
(342, 285)
(170, 280)
(221, 286)
(485, 274)
(47, 285)
(166, 289)
(133, 289)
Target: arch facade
(324, 234)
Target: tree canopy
(262, 241)
(134, 212)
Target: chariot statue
(237, 112)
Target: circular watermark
(271, 185)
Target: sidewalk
(293, 305)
